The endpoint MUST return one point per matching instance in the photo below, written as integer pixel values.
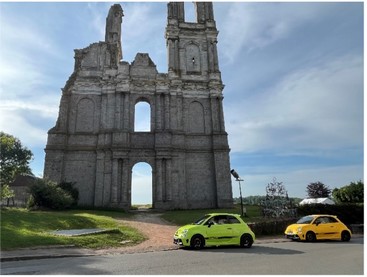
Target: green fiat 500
(215, 229)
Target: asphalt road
(268, 259)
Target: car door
(219, 232)
(237, 229)
(325, 227)
(333, 228)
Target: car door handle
(229, 228)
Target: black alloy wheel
(310, 236)
(246, 241)
(345, 236)
(197, 242)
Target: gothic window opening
(142, 120)
(196, 118)
(141, 185)
(85, 116)
(190, 12)
(192, 52)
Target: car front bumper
(181, 241)
(292, 236)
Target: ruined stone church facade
(94, 142)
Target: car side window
(320, 220)
(219, 219)
(332, 220)
(233, 220)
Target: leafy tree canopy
(317, 190)
(6, 192)
(14, 158)
(352, 193)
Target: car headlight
(299, 229)
(184, 232)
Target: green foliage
(353, 193)
(14, 158)
(271, 227)
(6, 192)
(260, 199)
(69, 187)
(182, 217)
(21, 228)
(47, 194)
(317, 190)
(348, 213)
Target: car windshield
(305, 220)
(201, 220)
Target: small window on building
(142, 122)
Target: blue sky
(293, 75)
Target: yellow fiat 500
(315, 227)
(214, 230)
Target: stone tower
(94, 142)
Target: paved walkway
(71, 251)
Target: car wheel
(246, 241)
(345, 236)
(197, 242)
(310, 236)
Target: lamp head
(235, 174)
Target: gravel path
(159, 233)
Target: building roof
(23, 181)
(317, 201)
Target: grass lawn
(182, 217)
(23, 228)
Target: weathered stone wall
(94, 143)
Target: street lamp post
(238, 179)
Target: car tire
(197, 242)
(310, 236)
(246, 241)
(345, 236)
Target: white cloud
(98, 18)
(296, 181)
(13, 123)
(250, 26)
(312, 108)
(26, 84)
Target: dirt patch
(158, 231)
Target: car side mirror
(210, 223)
(317, 223)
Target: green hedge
(347, 213)
(47, 194)
(271, 227)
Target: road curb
(72, 251)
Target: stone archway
(141, 184)
(186, 146)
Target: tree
(6, 193)
(353, 193)
(14, 158)
(318, 190)
(47, 194)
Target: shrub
(347, 213)
(47, 194)
(271, 227)
(69, 187)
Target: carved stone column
(99, 186)
(126, 112)
(215, 113)
(114, 185)
(159, 181)
(167, 112)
